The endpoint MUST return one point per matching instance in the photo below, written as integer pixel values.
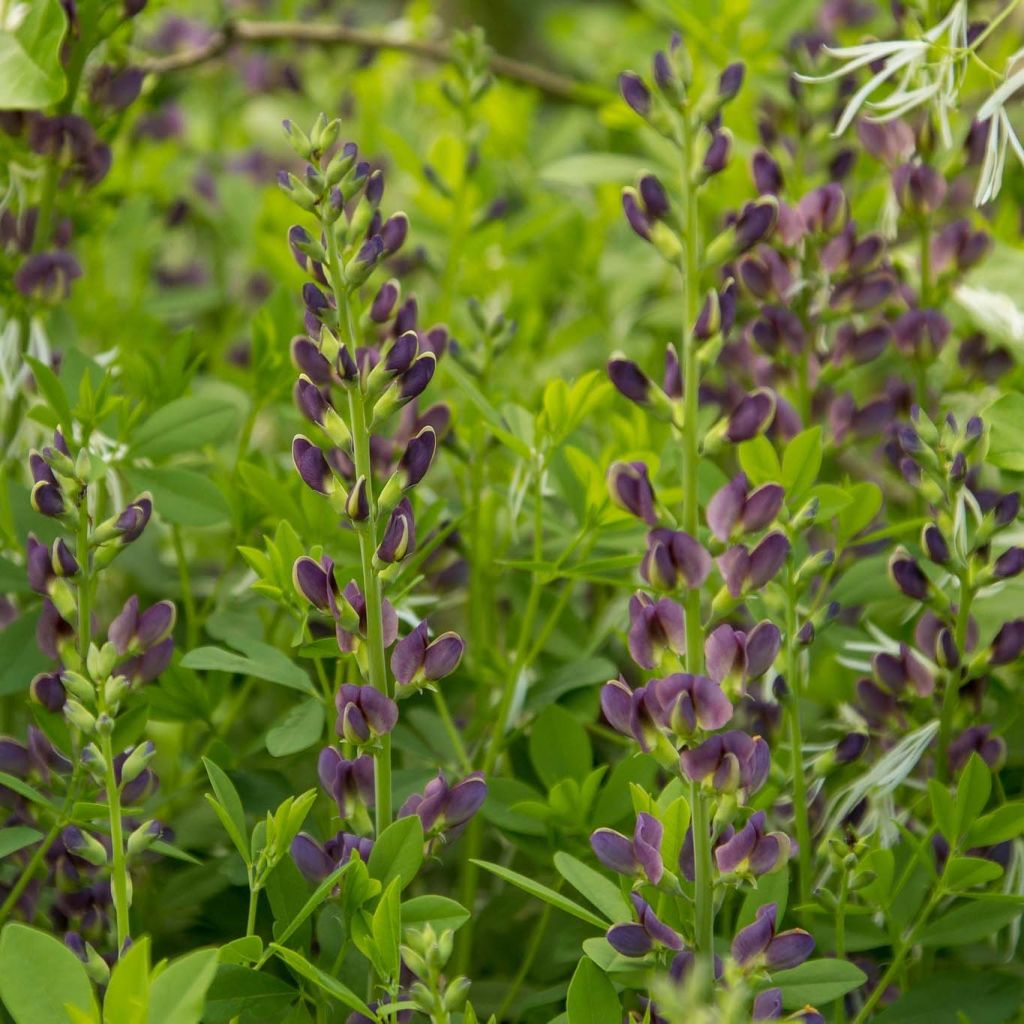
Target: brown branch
(242, 31)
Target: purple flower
(416, 660)
(977, 739)
(639, 855)
(635, 92)
(47, 276)
(636, 940)
(364, 713)
(674, 557)
(733, 508)
(316, 862)
(751, 417)
(655, 626)
(399, 539)
(629, 379)
(759, 945)
(447, 809)
(753, 850)
(349, 782)
(734, 655)
(908, 576)
(630, 489)
(744, 570)
(132, 631)
(728, 762)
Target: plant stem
(254, 901)
(704, 913)
(378, 672)
(187, 597)
(245, 31)
(898, 957)
(28, 873)
(803, 830)
(119, 863)
(841, 936)
(951, 698)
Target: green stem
(254, 902)
(803, 829)
(452, 732)
(378, 672)
(30, 869)
(951, 697)
(119, 863)
(704, 913)
(841, 936)
(899, 956)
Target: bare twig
(243, 31)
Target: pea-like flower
(317, 861)
(447, 809)
(730, 762)
(674, 558)
(639, 856)
(744, 570)
(417, 660)
(639, 938)
(349, 782)
(759, 945)
(364, 713)
(735, 508)
(753, 850)
(630, 489)
(655, 626)
(737, 657)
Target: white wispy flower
(929, 71)
(1001, 134)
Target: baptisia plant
(94, 782)
(364, 366)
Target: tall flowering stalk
(340, 374)
(693, 124)
(93, 682)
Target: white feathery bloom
(1001, 135)
(929, 68)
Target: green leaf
(17, 838)
(31, 75)
(260, 661)
(178, 993)
(246, 950)
(972, 792)
(440, 911)
(398, 853)
(593, 886)
(592, 998)
(865, 501)
(542, 892)
(964, 872)
(40, 976)
(943, 810)
(559, 746)
(230, 803)
(590, 169)
(237, 990)
(759, 461)
(184, 425)
(47, 381)
(300, 728)
(831, 501)
(320, 893)
(387, 929)
(331, 986)
(1005, 419)
(800, 464)
(1006, 822)
(817, 982)
(971, 922)
(127, 997)
(183, 496)
(952, 996)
